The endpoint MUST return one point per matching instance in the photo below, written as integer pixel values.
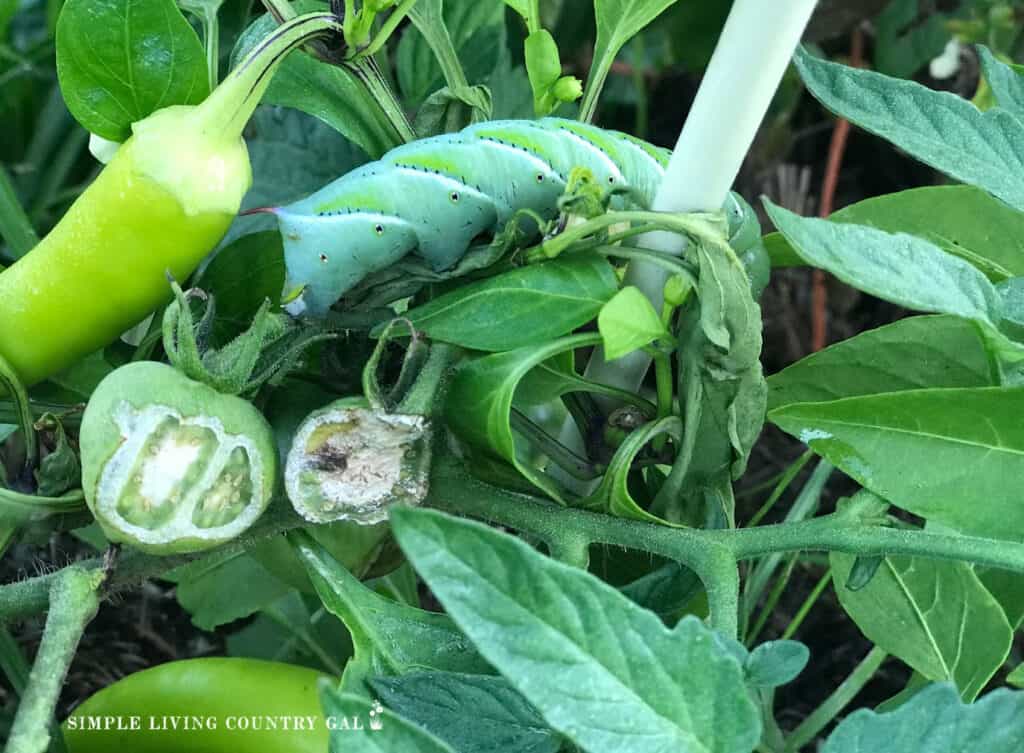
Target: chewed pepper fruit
(171, 465)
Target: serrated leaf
(934, 615)
(898, 268)
(353, 716)
(524, 306)
(601, 670)
(441, 702)
(628, 322)
(119, 61)
(1005, 80)
(208, 588)
(387, 637)
(961, 220)
(936, 721)
(984, 149)
(949, 455)
(913, 353)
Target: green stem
(835, 703)
(10, 384)
(211, 33)
(74, 601)
(533, 16)
(388, 28)
(595, 84)
(640, 86)
(281, 10)
(229, 106)
(784, 480)
(663, 380)
(770, 602)
(15, 227)
(809, 602)
(365, 69)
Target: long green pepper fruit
(160, 206)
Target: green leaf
(618, 21)
(1008, 590)
(241, 276)
(776, 663)
(934, 615)
(907, 38)
(1006, 81)
(292, 155)
(898, 268)
(628, 322)
(601, 670)
(449, 110)
(60, 471)
(525, 306)
(352, 730)
(935, 721)
(119, 61)
(1016, 677)
(208, 588)
(478, 406)
(387, 637)
(331, 93)
(475, 29)
(1011, 292)
(938, 128)
(961, 220)
(442, 702)
(913, 353)
(948, 455)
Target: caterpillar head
(326, 255)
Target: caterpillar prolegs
(434, 196)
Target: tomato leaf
(438, 701)
(604, 672)
(363, 725)
(935, 721)
(961, 220)
(941, 129)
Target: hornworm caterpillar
(435, 195)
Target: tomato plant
(424, 353)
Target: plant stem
(10, 384)
(835, 703)
(15, 227)
(211, 32)
(388, 28)
(365, 69)
(74, 601)
(751, 57)
(783, 483)
(809, 602)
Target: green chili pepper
(216, 705)
(162, 203)
(172, 465)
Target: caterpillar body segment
(434, 196)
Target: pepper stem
(230, 105)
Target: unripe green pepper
(351, 462)
(172, 465)
(217, 696)
(163, 203)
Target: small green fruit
(171, 465)
(349, 462)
